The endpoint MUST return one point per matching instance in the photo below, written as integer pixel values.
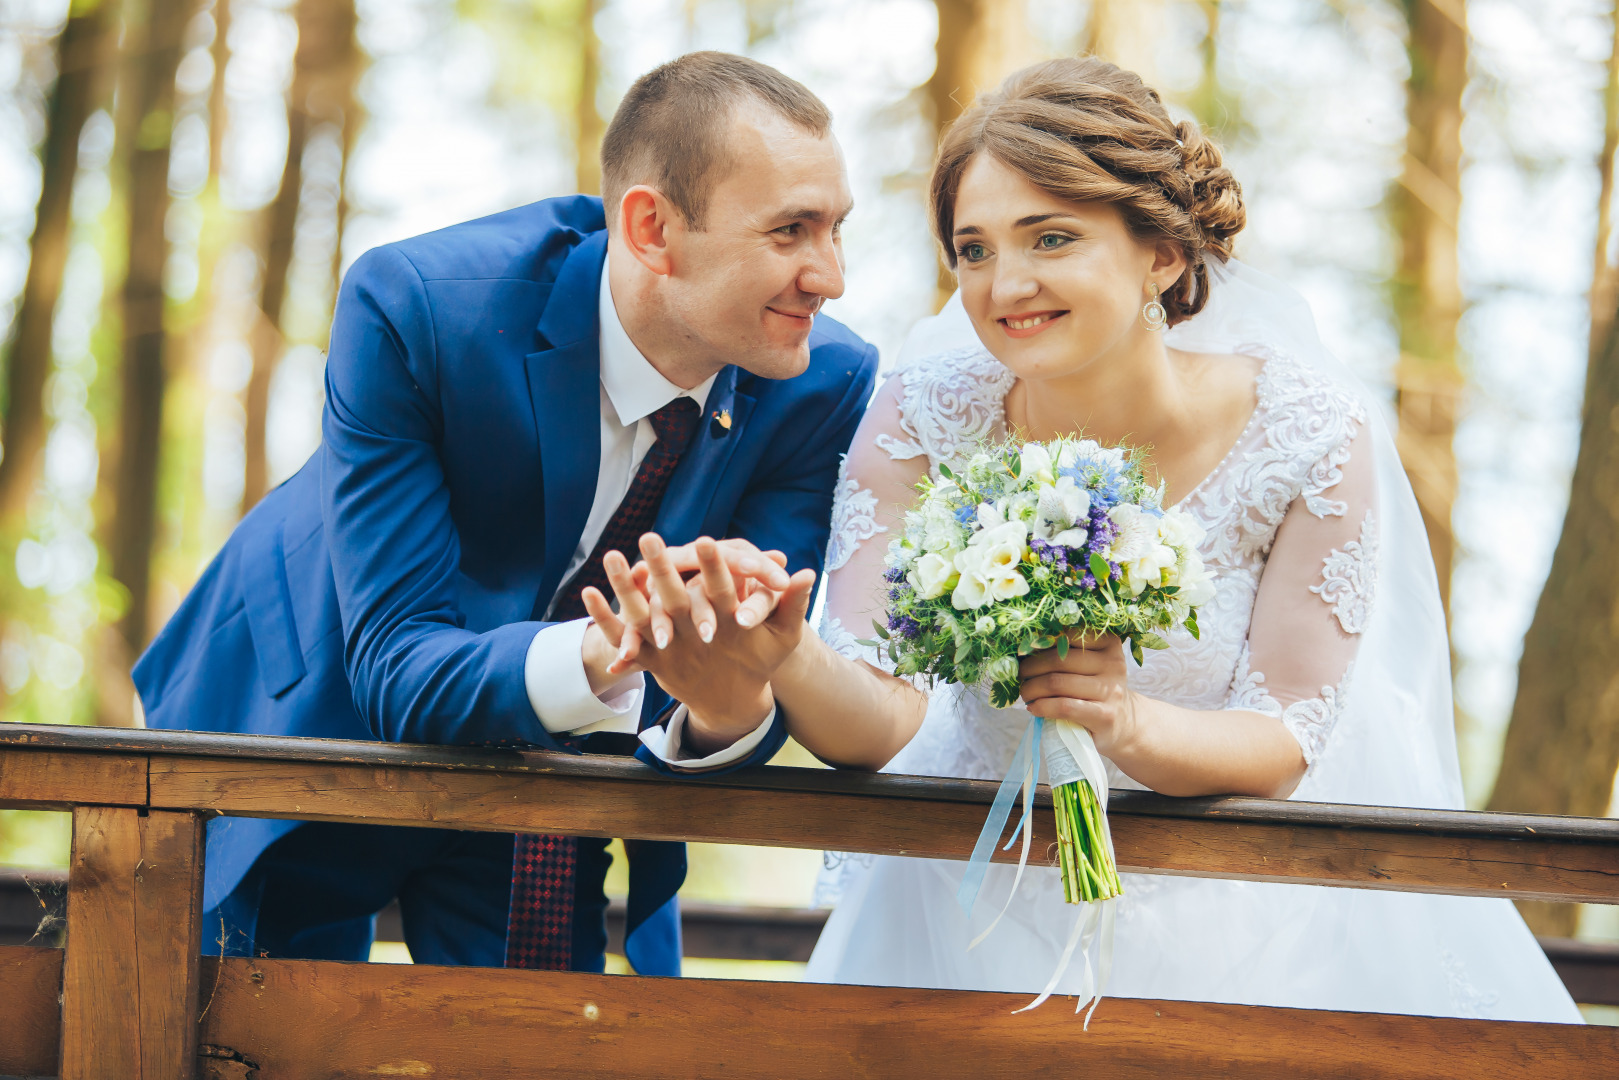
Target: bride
(1091, 236)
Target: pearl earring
(1153, 313)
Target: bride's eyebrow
(1035, 219)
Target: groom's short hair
(671, 129)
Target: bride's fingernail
(624, 653)
(744, 618)
(661, 636)
(706, 632)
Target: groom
(507, 401)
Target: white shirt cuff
(559, 690)
(666, 741)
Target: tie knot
(675, 422)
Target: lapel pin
(719, 424)
(723, 418)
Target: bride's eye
(972, 252)
(1053, 241)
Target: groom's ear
(647, 221)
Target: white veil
(1394, 743)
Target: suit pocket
(268, 603)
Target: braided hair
(1085, 130)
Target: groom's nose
(822, 272)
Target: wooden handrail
(1516, 856)
(129, 997)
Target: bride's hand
(688, 636)
(1087, 687)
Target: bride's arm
(840, 702)
(1312, 604)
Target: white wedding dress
(1316, 621)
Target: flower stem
(1083, 855)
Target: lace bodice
(1290, 539)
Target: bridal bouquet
(1030, 548)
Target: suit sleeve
(789, 508)
(417, 673)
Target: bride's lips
(1028, 323)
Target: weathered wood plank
(101, 1033)
(130, 975)
(1517, 865)
(35, 779)
(168, 924)
(30, 1013)
(294, 1019)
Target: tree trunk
(83, 52)
(588, 127)
(1562, 746)
(152, 45)
(324, 68)
(980, 43)
(220, 50)
(1427, 289)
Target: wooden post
(134, 934)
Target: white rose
(941, 532)
(1137, 532)
(1148, 568)
(990, 517)
(1196, 583)
(1005, 583)
(1007, 539)
(1179, 529)
(972, 590)
(932, 576)
(1035, 464)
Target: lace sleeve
(1315, 600)
(875, 487)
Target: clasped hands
(714, 621)
(712, 640)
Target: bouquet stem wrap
(1079, 790)
(1085, 847)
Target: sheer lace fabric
(1286, 516)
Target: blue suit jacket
(390, 589)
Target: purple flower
(893, 573)
(904, 626)
(1054, 555)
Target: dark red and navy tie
(539, 930)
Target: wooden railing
(130, 997)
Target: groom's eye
(790, 230)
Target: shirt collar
(633, 385)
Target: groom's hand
(690, 637)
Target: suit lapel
(564, 388)
(696, 480)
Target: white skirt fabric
(1193, 939)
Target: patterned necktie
(539, 929)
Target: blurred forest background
(182, 182)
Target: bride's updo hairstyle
(1085, 130)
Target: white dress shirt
(554, 670)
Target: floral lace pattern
(854, 518)
(950, 399)
(1295, 446)
(1349, 579)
